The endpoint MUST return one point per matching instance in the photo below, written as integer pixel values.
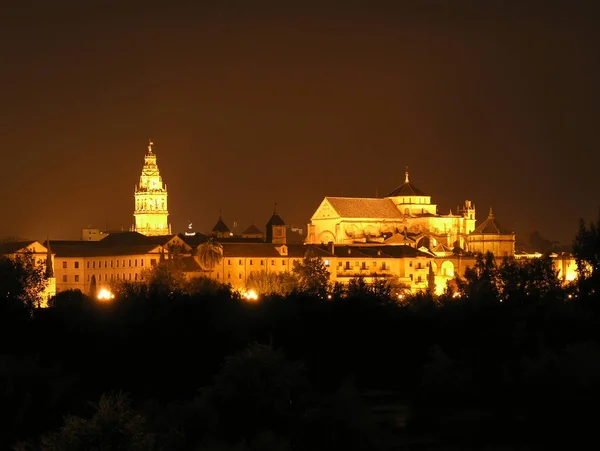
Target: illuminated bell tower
(151, 214)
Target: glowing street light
(105, 295)
(251, 295)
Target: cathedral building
(490, 236)
(405, 217)
(151, 213)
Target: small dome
(220, 226)
(406, 189)
(490, 226)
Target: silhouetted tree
(269, 283)
(431, 280)
(93, 288)
(258, 390)
(481, 281)
(209, 254)
(114, 426)
(586, 248)
(70, 299)
(22, 281)
(313, 276)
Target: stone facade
(405, 216)
(151, 213)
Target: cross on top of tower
(150, 144)
(406, 175)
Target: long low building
(128, 256)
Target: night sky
(249, 103)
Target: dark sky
(251, 103)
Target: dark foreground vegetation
(510, 362)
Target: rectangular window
(152, 262)
(419, 280)
(112, 263)
(64, 278)
(93, 264)
(76, 277)
(130, 263)
(229, 262)
(410, 264)
(229, 275)
(240, 262)
(239, 276)
(129, 276)
(99, 264)
(64, 265)
(88, 265)
(250, 262)
(272, 262)
(141, 262)
(88, 278)
(135, 276)
(118, 277)
(106, 263)
(117, 263)
(282, 262)
(262, 263)
(135, 262)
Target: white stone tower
(151, 213)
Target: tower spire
(406, 175)
(491, 215)
(150, 144)
(49, 266)
(275, 208)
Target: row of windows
(116, 263)
(106, 278)
(113, 263)
(251, 262)
(362, 265)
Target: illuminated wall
(151, 212)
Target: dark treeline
(507, 356)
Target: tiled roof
(193, 240)
(15, 246)
(357, 207)
(220, 226)
(300, 250)
(441, 248)
(249, 250)
(490, 226)
(399, 238)
(406, 189)
(189, 264)
(133, 238)
(275, 221)
(95, 249)
(252, 230)
(378, 252)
